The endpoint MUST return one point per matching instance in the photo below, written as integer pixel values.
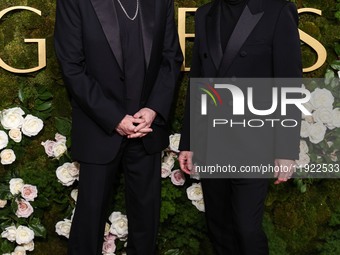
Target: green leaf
(4, 225)
(6, 246)
(173, 252)
(335, 83)
(41, 89)
(5, 193)
(42, 106)
(14, 206)
(45, 96)
(37, 227)
(336, 65)
(337, 15)
(21, 96)
(303, 188)
(337, 48)
(41, 202)
(329, 75)
(64, 126)
(5, 212)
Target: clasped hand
(137, 125)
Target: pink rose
(58, 137)
(24, 209)
(48, 145)
(29, 192)
(110, 237)
(109, 247)
(177, 177)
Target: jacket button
(243, 53)
(205, 55)
(122, 78)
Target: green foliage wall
(296, 223)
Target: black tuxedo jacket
(264, 44)
(88, 46)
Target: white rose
(19, 250)
(73, 211)
(199, 205)
(323, 114)
(194, 192)
(15, 135)
(317, 132)
(169, 160)
(24, 235)
(166, 170)
(12, 118)
(321, 98)
(29, 246)
(107, 229)
(63, 228)
(335, 122)
(32, 125)
(3, 139)
(303, 146)
(309, 107)
(74, 194)
(15, 185)
(73, 169)
(7, 157)
(10, 233)
(119, 225)
(59, 148)
(305, 129)
(3, 203)
(64, 176)
(309, 119)
(333, 157)
(303, 160)
(174, 142)
(60, 138)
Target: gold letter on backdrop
(181, 31)
(312, 42)
(41, 45)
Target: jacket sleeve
(161, 95)
(195, 72)
(287, 64)
(84, 89)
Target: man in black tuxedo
(245, 39)
(120, 61)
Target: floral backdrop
(38, 178)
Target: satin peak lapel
(214, 34)
(243, 28)
(106, 13)
(147, 18)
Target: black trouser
(142, 176)
(234, 210)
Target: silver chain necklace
(127, 15)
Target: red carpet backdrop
(38, 178)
